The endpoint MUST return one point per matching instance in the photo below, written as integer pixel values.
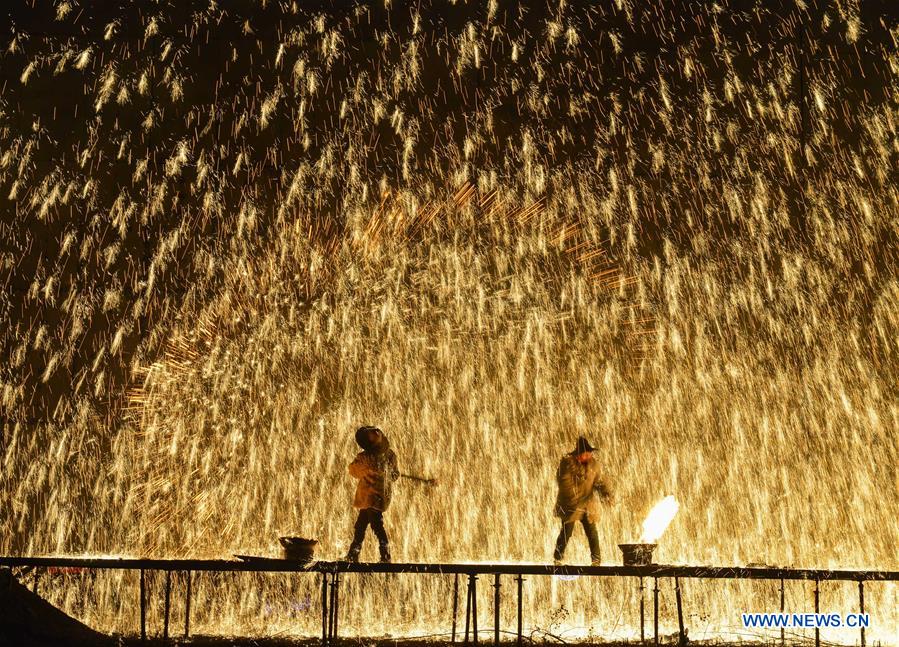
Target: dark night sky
(73, 141)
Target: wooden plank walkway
(275, 565)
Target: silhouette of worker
(375, 468)
(580, 488)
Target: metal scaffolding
(330, 573)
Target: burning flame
(658, 519)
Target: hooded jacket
(579, 485)
(376, 470)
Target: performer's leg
(562, 541)
(377, 525)
(592, 539)
(362, 522)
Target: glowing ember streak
(658, 519)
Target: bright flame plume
(658, 519)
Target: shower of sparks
(233, 232)
(658, 519)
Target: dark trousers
(565, 535)
(374, 518)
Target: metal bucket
(637, 554)
(298, 548)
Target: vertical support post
(642, 614)
(187, 604)
(143, 604)
(168, 600)
(783, 634)
(861, 607)
(37, 574)
(681, 634)
(455, 606)
(474, 607)
(331, 610)
(467, 609)
(332, 624)
(817, 610)
(496, 609)
(655, 603)
(325, 616)
(336, 602)
(520, 606)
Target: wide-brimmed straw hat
(583, 445)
